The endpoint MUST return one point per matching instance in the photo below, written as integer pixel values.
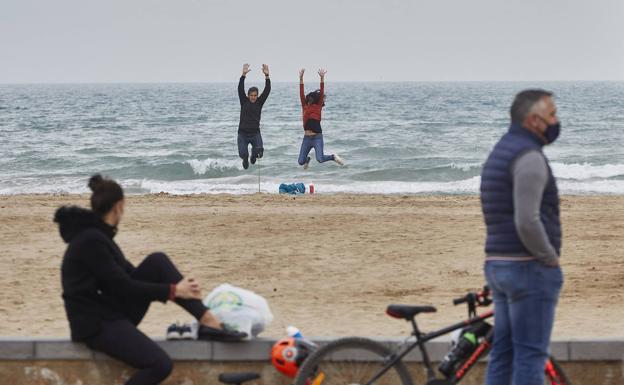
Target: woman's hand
(322, 73)
(301, 71)
(265, 70)
(188, 288)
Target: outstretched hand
(301, 71)
(188, 288)
(246, 69)
(265, 70)
(322, 73)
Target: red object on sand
(311, 189)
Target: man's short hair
(524, 102)
(252, 89)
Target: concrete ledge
(597, 350)
(36, 361)
(15, 348)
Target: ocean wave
(202, 166)
(248, 184)
(607, 187)
(583, 171)
(466, 166)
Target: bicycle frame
(422, 339)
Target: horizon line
(296, 81)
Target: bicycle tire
(557, 376)
(352, 360)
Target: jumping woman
(312, 105)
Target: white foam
(583, 171)
(49, 185)
(611, 187)
(201, 166)
(466, 166)
(248, 184)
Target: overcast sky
(209, 40)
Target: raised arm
(301, 90)
(322, 73)
(241, 84)
(267, 85)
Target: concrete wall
(60, 362)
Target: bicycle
(364, 361)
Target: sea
(396, 138)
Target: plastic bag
(239, 308)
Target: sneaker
(253, 160)
(245, 163)
(338, 159)
(173, 332)
(307, 163)
(186, 332)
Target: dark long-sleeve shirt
(249, 123)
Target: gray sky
(209, 40)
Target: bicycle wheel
(350, 361)
(554, 373)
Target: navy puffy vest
(497, 195)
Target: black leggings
(122, 340)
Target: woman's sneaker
(307, 163)
(338, 160)
(173, 332)
(186, 332)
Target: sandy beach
(328, 264)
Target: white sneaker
(186, 332)
(307, 163)
(173, 332)
(338, 160)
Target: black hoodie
(96, 277)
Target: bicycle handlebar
(480, 298)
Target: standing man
(249, 124)
(520, 205)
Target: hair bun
(95, 181)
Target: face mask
(552, 132)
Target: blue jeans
(315, 142)
(525, 296)
(245, 140)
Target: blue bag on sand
(293, 188)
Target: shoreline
(323, 194)
(327, 263)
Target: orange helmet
(288, 354)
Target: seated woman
(106, 296)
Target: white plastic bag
(239, 308)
